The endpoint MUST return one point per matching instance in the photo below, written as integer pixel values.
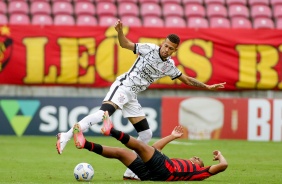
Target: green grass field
(34, 159)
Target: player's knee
(145, 136)
(108, 107)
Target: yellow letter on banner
(34, 59)
(106, 53)
(69, 61)
(89, 77)
(247, 66)
(200, 64)
(268, 59)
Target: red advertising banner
(223, 118)
(91, 56)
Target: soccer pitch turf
(34, 159)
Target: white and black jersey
(148, 68)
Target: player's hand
(118, 26)
(216, 86)
(216, 154)
(177, 131)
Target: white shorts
(125, 100)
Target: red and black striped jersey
(183, 170)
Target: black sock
(97, 148)
(122, 137)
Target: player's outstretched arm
(123, 41)
(194, 82)
(176, 133)
(221, 166)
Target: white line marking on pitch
(176, 142)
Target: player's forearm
(194, 82)
(123, 41)
(222, 162)
(160, 144)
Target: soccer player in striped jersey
(151, 163)
(153, 62)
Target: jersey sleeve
(174, 72)
(144, 48)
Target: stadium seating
(247, 14)
(263, 23)
(107, 20)
(236, 2)
(18, 7)
(164, 2)
(216, 10)
(277, 11)
(241, 22)
(150, 9)
(3, 19)
(278, 23)
(194, 10)
(106, 9)
(275, 2)
(19, 19)
(40, 7)
(213, 2)
(238, 10)
(197, 22)
(41, 19)
(261, 11)
(174, 21)
(84, 8)
(171, 9)
(3, 7)
(185, 2)
(128, 9)
(258, 2)
(153, 21)
(64, 20)
(131, 21)
(86, 20)
(219, 22)
(62, 8)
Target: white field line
(176, 142)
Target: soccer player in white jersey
(153, 62)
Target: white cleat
(61, 142)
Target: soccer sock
(87, 121)
(122, 137)
(91, 146)
(144, 131)
(145, 136)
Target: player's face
(197, 160)
(167, 48)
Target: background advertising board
(48, 116)
(223, 118)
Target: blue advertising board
(48, 116)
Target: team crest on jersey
(121, 98)
(164, 67)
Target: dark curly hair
(173, 38)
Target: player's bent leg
(145, 135)
(85, 123)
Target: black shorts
(140, 169)
(157, 168)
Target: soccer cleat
(61, 142)
(130, 177)
(107, 124)
(78, 137)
